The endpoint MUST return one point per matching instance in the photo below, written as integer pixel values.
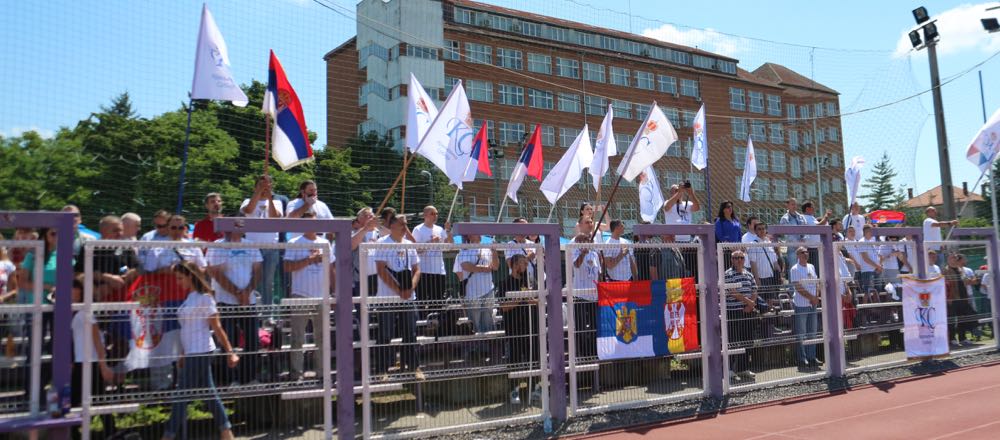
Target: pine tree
(880, 193)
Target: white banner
(925, 318)
(852, 177)
(213, 78)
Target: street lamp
(430, 183)
(930, 38)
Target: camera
(687, 183)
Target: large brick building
(521, 69)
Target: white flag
(569, 169)
(212, 77)
(651, 142)
(419, 115)
(650, 196)
(699, 152)
(852, 176)
(925, 318)
(604, 149)
(749, 172)
(983, 148)
(448, 142)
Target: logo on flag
(925, 334)
(289, 139)
(654, 138)
(699, 155)
(213, 78)
(650, 196)
(646, 318)
(983, 148)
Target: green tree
(879, 186)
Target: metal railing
(26, 335)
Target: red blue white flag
(646, 318)
(289, 139)
(529, 164)
(479, 159)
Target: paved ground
(956, 404)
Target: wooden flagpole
(402, 197)
(502, 206)
(452, 208)
(267, 141)
(551, 210)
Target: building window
(762, 187)
(777, 134)
(762, 160)
(568, 68)
(697, 180)
(778, 161)
(567, 136)
(837, 186)
(803, 112)
(593, 72)
(619, 76)
(739, 128)
(673, 116)
(774, 105)
(757, 131)
(540, 99)
(449, 83)
(539, 63)
(623, 139)
(509, 58)
(807, 137)
(703, 62)
(427, 53)
(687, 118)
(490, 127)
(644, 80)
(511, 133)
(756, 102)
(790, 111)
(479, 90)
(548, 136)
(478, 53)
(796, 167)
(793, 139)
(569, 102)
(798, 192)
(818, 109)
(739, 159)
(689, 87)
(623, 109)
(595, 106)
(780, 189)
(834, 134)
(511, 94)
(641, 111)
(737, 99)
(668, 84)
(831, 109)
(811, 190)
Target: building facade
(520, 70)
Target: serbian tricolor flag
(289, 140)
(883, 216)
(529, 164)
(638, 319)
(479, 159)
(153, 328)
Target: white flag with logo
(213, 78)
(852, 177)
(419, 115)
(650, 196)
(569, 169)
(699, 151)
(605, 147)
(925, 318)
(749, 172)
(651, 142)
(983, 148)
(448, 142)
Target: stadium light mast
(930, 38)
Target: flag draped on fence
(983, 148)
(604, 148)
(570, 167)
(154, 328)
(646, 318)
(448, 141)
(925, 318)
(289, 139)
(699, 150)
(749, 171)
(213, 78)
(529, 164)
(852, 178)
(420, 113)
(651, 142)
(650, 196)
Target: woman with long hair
(727, 226)
(199, 321)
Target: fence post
(832, 307)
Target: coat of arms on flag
(925, 318)
(646, 318)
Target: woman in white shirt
(199, 321)
(586, 272)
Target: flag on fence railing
(749, 171)
(212, 77)
(646, 318)
(983, 148)
(569, 169)
(529, 164)
(651, 142)
(155, 332)
(289, 139)
(699, 151)
(925, 318)
(420, 113)
(604, 148)
(650, 196)
(852, 179)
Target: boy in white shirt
(802, 276)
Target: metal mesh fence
(969, 304)
(26, 328)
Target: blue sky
(65, 58)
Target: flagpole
(453, 199)
(184, 160)
(708, 186)
(502, 206)
(402, 197)
(267, 141)
(614, 189)
(551, 210)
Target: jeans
(866, 281)
(299, 319)
(266, 287)
(405, 317)
(234, 320)
(196, 373)
(805, 328)
(480, 311)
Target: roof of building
(750, 77)
(934, 197)
(788, 77)
(343, 46)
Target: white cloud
(704, 39)
(960, 31)
(17, 131)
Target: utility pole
(948, 207)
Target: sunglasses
(159, 225)
(177, 228)
(737, 258)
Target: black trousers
(585, 325)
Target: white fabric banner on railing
(925, 318)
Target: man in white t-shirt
(792, 217)
(680, 207)
(854, 220)
(750, 235)
(394, 281)
(235, 272)
(528, 252)
(263, 204)
(933, 270)
(802, 276)
(307, 200)
(306, 268)
(932, 232)
(586, 272)
(433, 277)
(764, 264)
(619, 263)
(475, 268)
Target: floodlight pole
(948, 206)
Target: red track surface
(959, 404)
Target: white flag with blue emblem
(419, 115)
(651, 142)
(699, 152)
(650, 196)
(749, 172)
(212, 77)
(605, 147)
(983, 148)
(448, 142)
